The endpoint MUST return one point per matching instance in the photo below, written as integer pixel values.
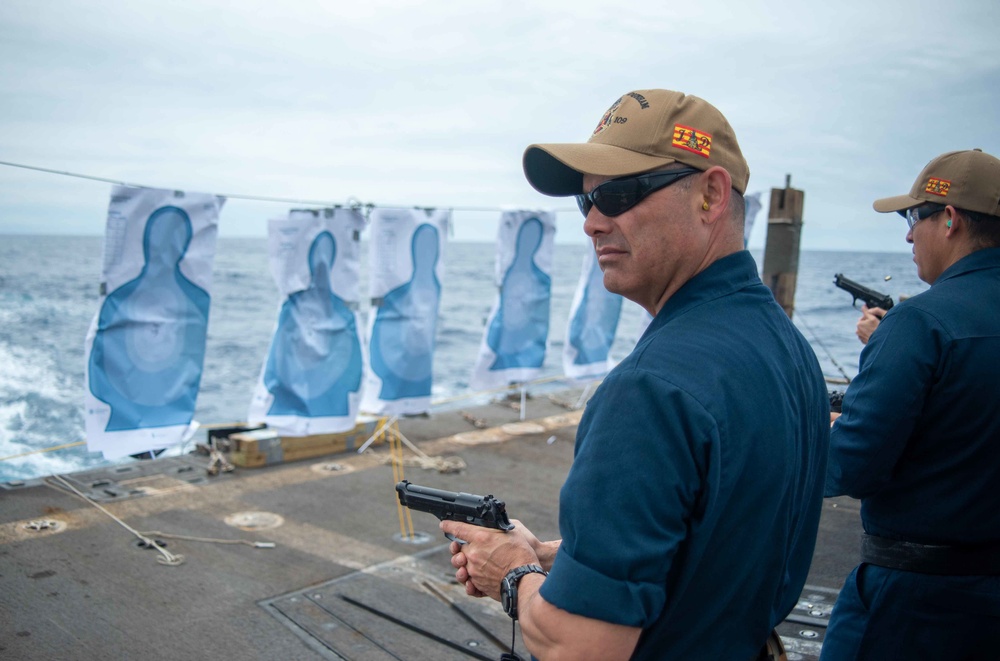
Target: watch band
(508, 586)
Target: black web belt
(931, 559)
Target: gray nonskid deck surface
(82, 588)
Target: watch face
(505, 595)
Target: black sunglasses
(615, 197)
(914, 215)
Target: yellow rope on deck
(52, 449)
(391, 429)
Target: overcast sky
(432, 103)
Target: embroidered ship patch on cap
(693, 140)
(937, 186)
(608, 116)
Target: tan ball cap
(642, 131)
(968, 180)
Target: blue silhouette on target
(592, 329)
(520, 328)
(315, 358)
(402, 346)
(147, 356)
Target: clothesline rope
(351, 203)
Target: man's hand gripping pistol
(485, 511)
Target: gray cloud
(433, 103)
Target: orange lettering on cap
(693, 140)
(937, 186)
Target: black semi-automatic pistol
(484, 511)
(869, 297)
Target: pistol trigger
(455, 539)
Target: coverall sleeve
(641, 460)
(883, 403)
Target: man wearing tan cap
(689, 516)
(919, 438)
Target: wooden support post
(781, 251)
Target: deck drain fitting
(144, 545)
(326, 467)
(251, 521)
(417, 538)
(44, 525)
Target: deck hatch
(378, 614)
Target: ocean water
(49, 295)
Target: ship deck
(341, 582)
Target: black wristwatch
(508, 587)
